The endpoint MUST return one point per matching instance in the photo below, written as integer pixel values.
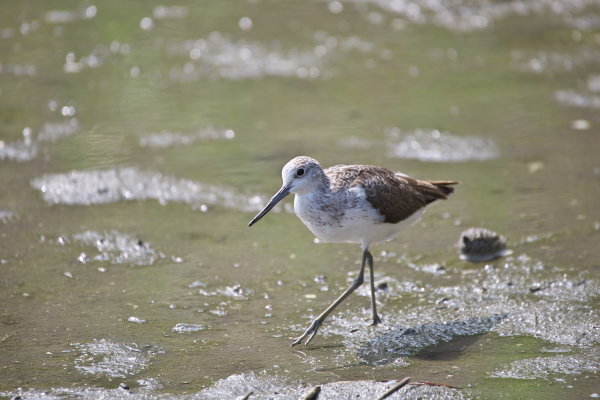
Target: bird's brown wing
(395, 196)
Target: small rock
(383, 286)
(480, 244)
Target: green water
(545, 180)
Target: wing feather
(395, 196)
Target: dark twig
(435, 384)
(312, 394)
(7, 336)
(246, 397)
(394, 388)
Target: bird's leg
(376, 319)
(314, 327)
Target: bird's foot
(312, 331)
(376, 321)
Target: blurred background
(138, 138)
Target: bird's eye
(300, 172)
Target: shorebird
(354, 204)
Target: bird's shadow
(405, 342)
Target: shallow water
(137, 140)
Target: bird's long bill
(284, 191)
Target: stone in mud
(480, 244)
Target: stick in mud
(246, 397)
(394, 388)
(7, 336)
(312, 394)
(435, 384)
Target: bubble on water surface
(219, 312)
(335, 7)
(146, 23)
(117, 248)
(114, 360)
(436, 146)
(245, 23)
(129, 183)
(183, 328)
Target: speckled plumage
(359, 203)
(354, 204)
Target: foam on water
(544, 367)
(28, 148)
(166, 139)
(186, 328)
(552, 62)
(129, 183)
(113, 360)
(218, 57)
(65, 16)
(593, 83)
(574, 98)
(18, 70)
(262, 386)
(473, 15)
(436, 146)
(162, 12)
(6, 216)
(387, 347)
(278, 388)
(92, 60)
(521, 297)
(118, 248)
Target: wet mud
(137, 141)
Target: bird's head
(299, 175)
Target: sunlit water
(138, 139)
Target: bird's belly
(356, 226)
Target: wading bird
(354, 204)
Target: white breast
(346, 219)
